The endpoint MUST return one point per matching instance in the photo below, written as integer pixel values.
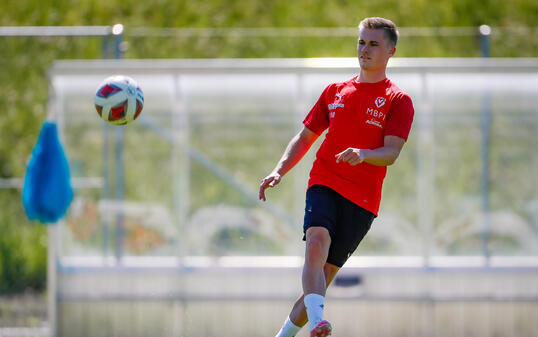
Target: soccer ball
(119, 100)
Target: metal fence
(145, 42)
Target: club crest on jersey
(380, 101)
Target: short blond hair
(390, 29)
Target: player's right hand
(270, 181)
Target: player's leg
(298, 312)
(321, 216)
(297, 317)
(318, 242)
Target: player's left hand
(351, 156)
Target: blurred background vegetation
(25, 60)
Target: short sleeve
(317, 119)
(400, 117)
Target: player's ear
(392, 50)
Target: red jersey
(358, 115)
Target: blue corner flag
(47, 191)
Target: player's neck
(371, 76)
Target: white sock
(314, 309)
(288, 329)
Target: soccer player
(368, 119)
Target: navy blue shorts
(346, 222)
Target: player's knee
(317, 246)
(318, 233)
(314, 244)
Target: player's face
(373, 49)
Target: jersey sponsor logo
(333, 106)
(374, 122)
(376, 113)
(380, 101)
(339, 96)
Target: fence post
(119, 167)
(485, 118)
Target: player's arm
(296, 149)
(382, 156)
